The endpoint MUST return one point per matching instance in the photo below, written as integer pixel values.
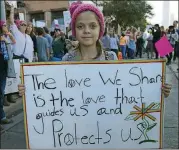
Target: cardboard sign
(163, 46)
(12, 83)
(67, 18)
(107, 105)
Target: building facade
(46, 11)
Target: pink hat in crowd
(2, 23)
(77, 7)
(19, 22)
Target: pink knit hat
(2, 23)
(78, 7)
(19, 22)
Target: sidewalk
(173, 67)
(14, 108)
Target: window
(57, 14)
(38, 16)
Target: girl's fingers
(166, 90)
(167, 86)
(21, 93)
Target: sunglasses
(23, 25)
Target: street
(14, 136)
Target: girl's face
(29, 28)
(4, 28)
(87, 28)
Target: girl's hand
(21, 89)
(166, 88)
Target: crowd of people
(89, 41)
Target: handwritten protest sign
(94, 105)
(163, 46)
(12, 83)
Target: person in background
(3, 74)
(175, 24)
(139, 44)
(150, 45)
(10, 41)
(156, 32)
(58, 46)
(163, 33)
(172, 36)
(132, 43)
(113, 41)
(69, 46)
(23, 48)
(106, 41)
(30, 31)
(43, 53)
(49, 38)
(122, 44)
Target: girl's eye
(93, 26)
(80, 27)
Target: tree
(128, 13)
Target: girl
(88, 27)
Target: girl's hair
(98, 46)
(32, 32)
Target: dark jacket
(156, 35)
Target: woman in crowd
(163, 33)
(4, 57)
(58, 46)
(88, 27)
(106, 41)
(113, 39)
(139, 44)
(123, 43)
(150, 51)
(172, 36)
(132, 43)
(23, 48)
(10, 41)
(30, 31)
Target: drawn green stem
(146, 129)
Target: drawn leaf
(156, 106)
(130, 117)
(151, 126)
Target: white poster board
(21, 16)
(94, 106)
(40, 24)
(67, 18)
(12, 3)
(12, 83)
